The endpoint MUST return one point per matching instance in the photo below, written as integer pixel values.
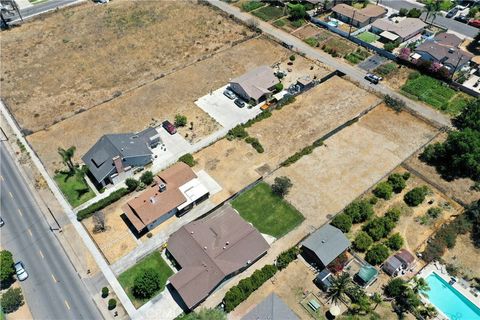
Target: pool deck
(441, 271)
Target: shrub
(395, 241)
(362, 241)
(394, 103)
(378, 228)
(395, 287)
(281, 186)
(397, 181)
(188, 159)
(105, 292)
(97, 206)
(312, 42)
(403, 12)
(238, 132)
(342, 222)
(6, 268)
(278, 87)
(292, 57)
(112, 304)
(377, 254)
(373, 200)
(297, 11)
(146, 284)
(434, 212)
(414, 13)
(255, 144)
(180, 120)
(359, 210)
(284, 258)
(132, 184)
(406, 175)
(11, 300)
(415, 196)
(147, 178)
(383, 190)
(393, 214)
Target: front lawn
(154, 261)
(268, 212)
(74, 188)
(368, 37)
(269, 13)
(358, 56)
(252, 5)
(435, 93)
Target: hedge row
(305, 151)
(91, 209)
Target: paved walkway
(352, 72)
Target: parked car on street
(452, 13)
(167, 125)
(373, 78)
(240, 103)
(462, 19)
(474, 23)
(229, 94)
(20, 271)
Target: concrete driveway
(372, 62)
(224, 110)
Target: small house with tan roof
(174, 192)
(358, 17)
(257, 84)
(399, 29)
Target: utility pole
(456, 66)
(351, 23)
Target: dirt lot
(456, 189)
(235, 164)
(465, 256)
(157, 101)
(74, 59)
(352, 161)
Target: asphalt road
(43, 7)
(53, 289)
(450, 24)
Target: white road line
(66, 303)
(41, 254)
(11, 195)
(30, 232)
(53, 277)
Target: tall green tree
(67, 156)
(11, 300)
(338, 288)
(6, 268)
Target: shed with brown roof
(359, 17)
(210, 250)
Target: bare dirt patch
(159, 100)
(459, 189)
(351, 161)
(397, 78)
(235, 164)
(308, 31)
(76, 58)
(465, 256)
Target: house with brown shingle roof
(211, 250)
(174, 192)
(358, 17)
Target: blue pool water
(448, 300)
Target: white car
(20, 271)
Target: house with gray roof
(256, 85)
(398, 30)
(324, 245)
(114, 155)
(271, 308)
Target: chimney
(117, 161)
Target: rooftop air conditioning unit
(162, 187)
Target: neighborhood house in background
(111, 159)
(174, 192)
(256, 85)
(358, 17)
(271, 308)
(211, 250)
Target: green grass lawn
(436, 94)
(268, 13)
(358, 56)
(368, 37)
(252, 5)
(268, 212)
(154, 261)
(74, 188)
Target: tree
(342, 222)
(403, 12)
(397, 182)
(383, 190)
(339, 286)
(419, 285)
(394, 287)
(395, 241)
(377, 299)
(362, 241)
(393, 214)
(473, 214)
(416, 196)
(105, 292)
(112, 304)
(297, 11)
(284, 258)
(470, 116)
(180, 120)
(428, 311)
(432, 7)
(67, 156)
(11, 300)
(359, 210)
(278, 87)
(147, 178)
(205, 314)
(281, 186)
(6, 268)
(414, 13)
(378, 228)
(132, 184)
(99, 222)
(377, 254)
(146, 284)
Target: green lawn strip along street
(268, 13)
(368, 37)
(154, 261)
(268, 212)
(436, 94)
(357, 56)
(74, 188)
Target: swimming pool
(448, 300)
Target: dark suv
(167, 125)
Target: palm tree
(429, 312)
(377, 299)
(67, 156)
(419, 285)
(432, 7)
(338, 288)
